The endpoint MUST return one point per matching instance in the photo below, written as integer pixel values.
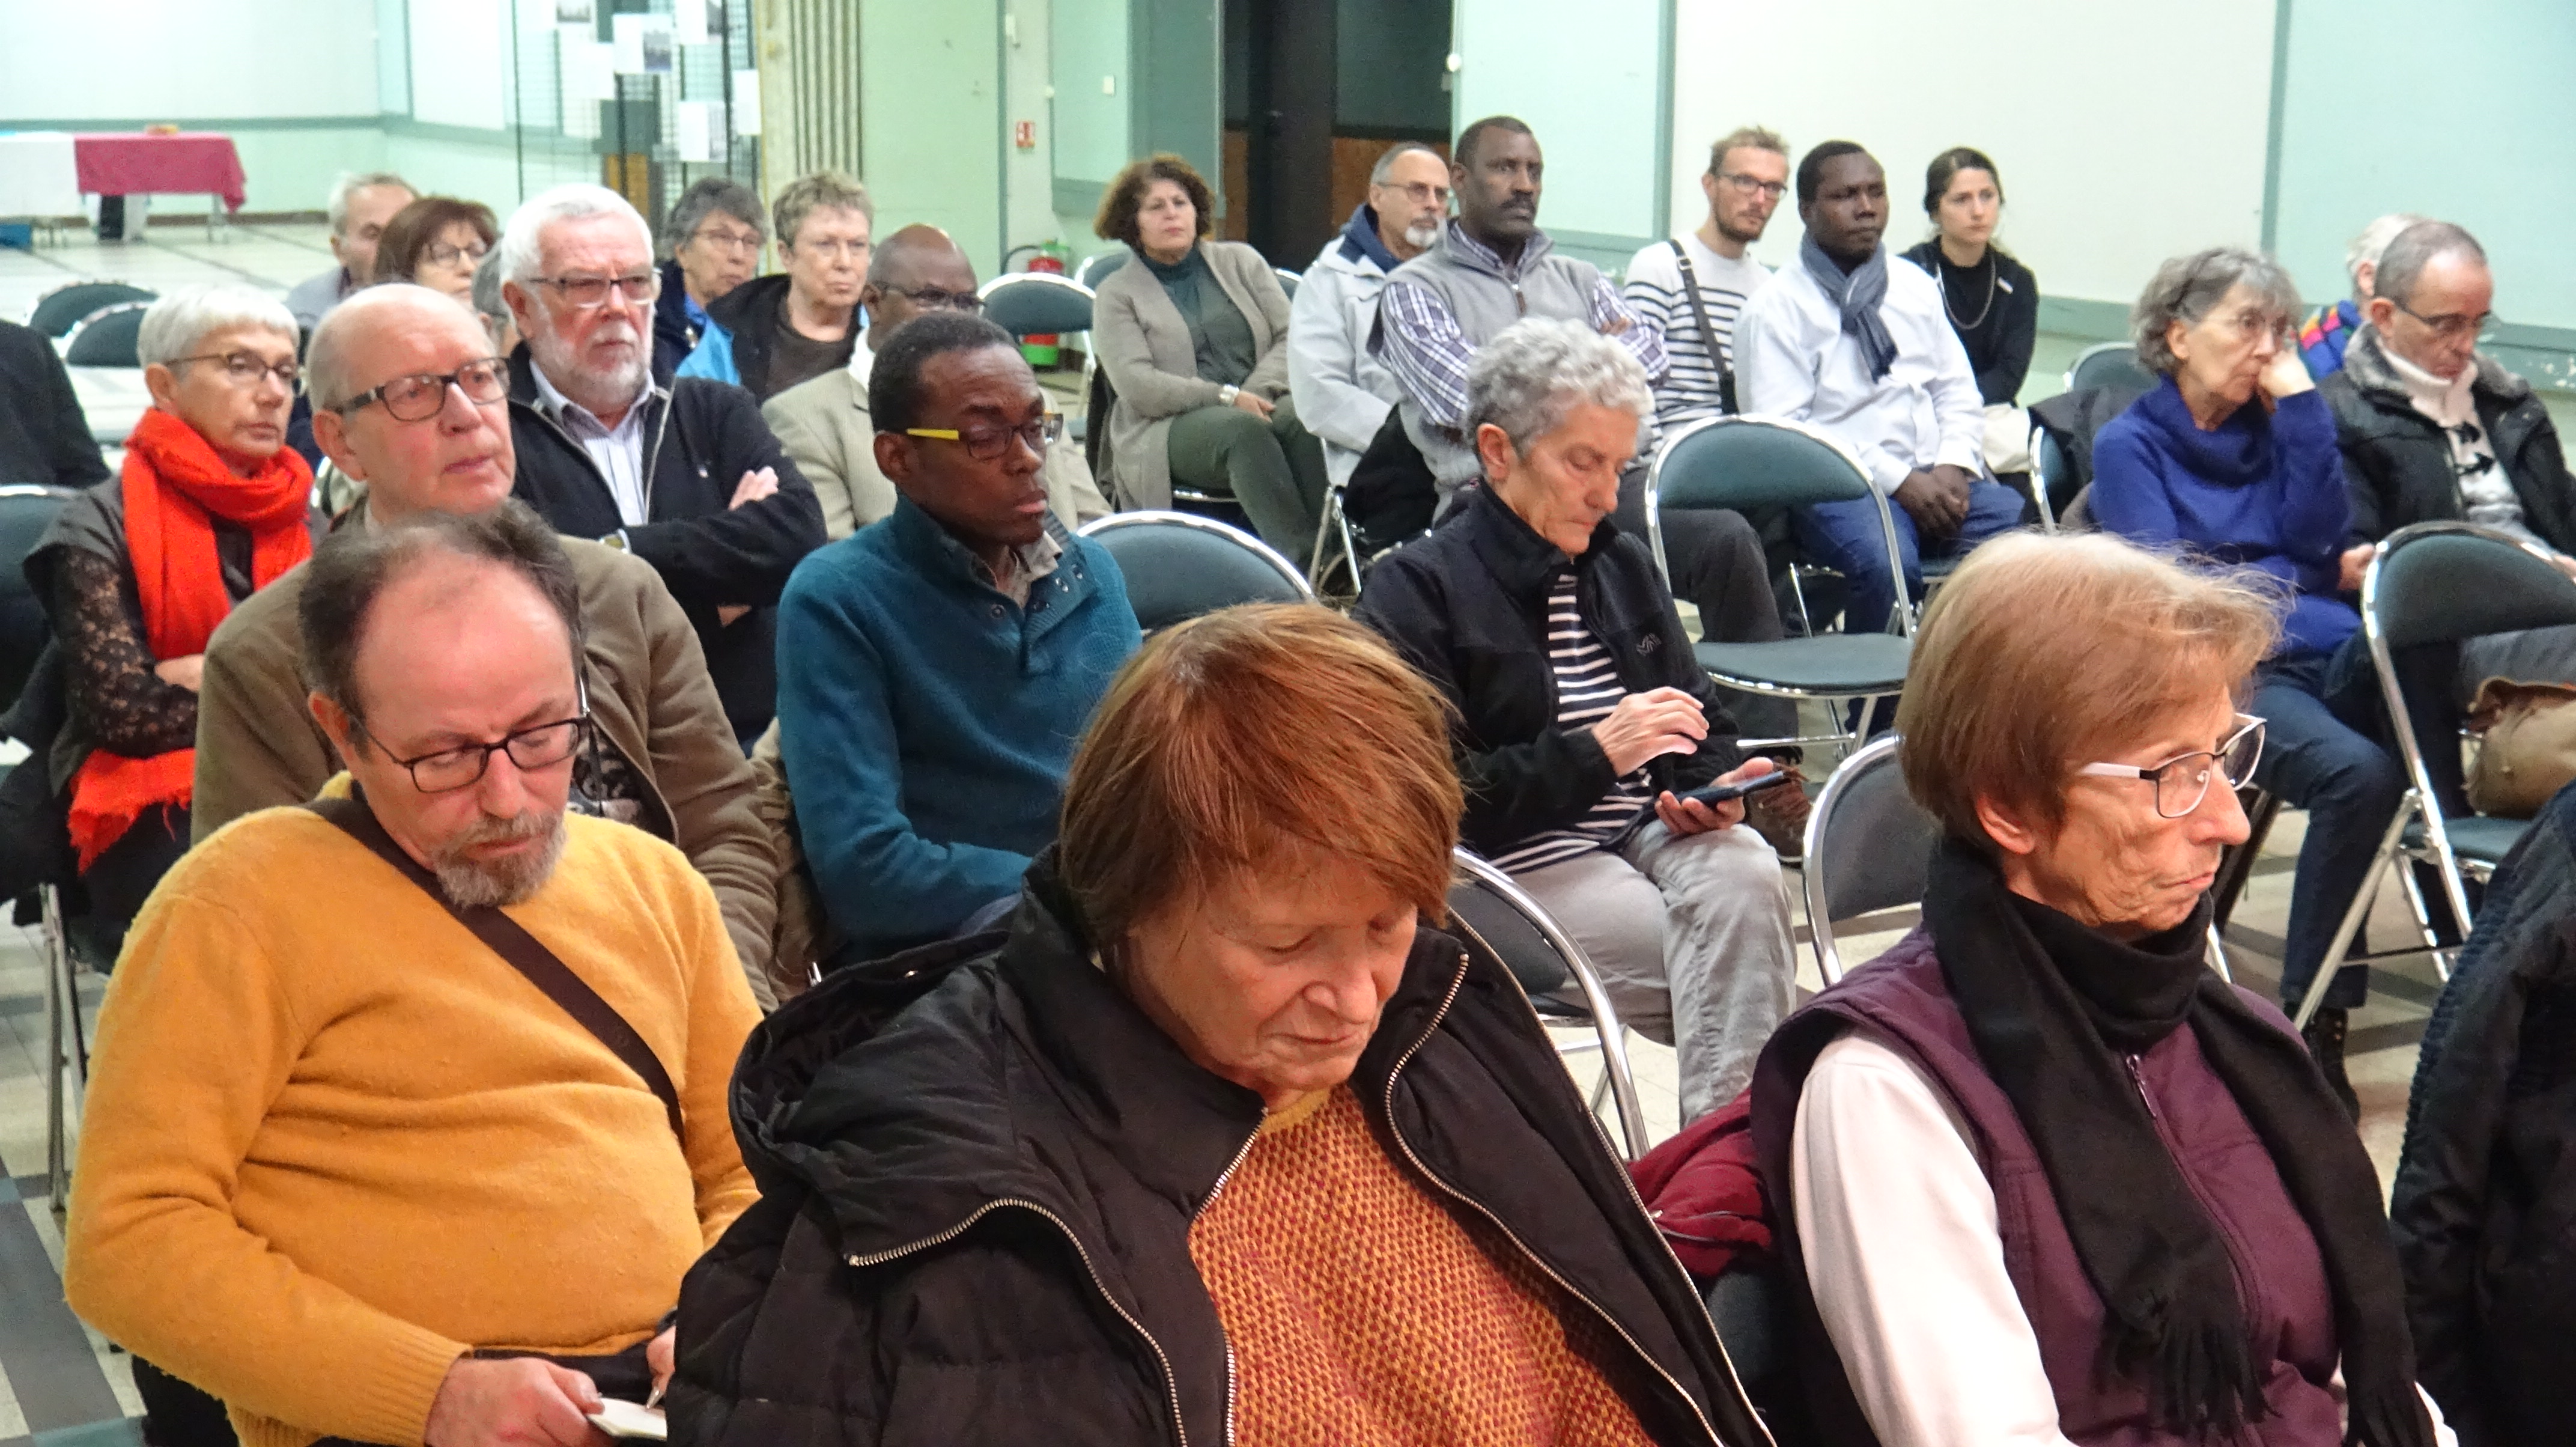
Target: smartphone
(1720, 793)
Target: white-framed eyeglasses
(2182, 781)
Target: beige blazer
(1145, 347)
(824, 424)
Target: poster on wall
(642, 44)
(589, 76)
(689, 19)
(699, 131)
(746, 102)
(574, 12)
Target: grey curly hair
(2188, 288)
(1526, 379)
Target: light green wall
(929, 103)
(1089, 42)
(1591, 92)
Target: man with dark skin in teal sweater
(937, 668)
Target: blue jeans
(1844, 536)
(2315, 759)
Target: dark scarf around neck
(2052, 1007)
(1859, 294)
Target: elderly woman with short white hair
(1583, 718)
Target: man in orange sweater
(345, 1165)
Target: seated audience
(359, 207)
(1863, 349)
(769, 333)
(437, 242)
(1580, 712)
(1343, 394)
(44, 436)
(412, 403)
(825, 425)
(1991, 298)
(362, 1174)
(2326, 333)
(1195, 340)
(716, 230)
(1491, 268)
(687, 477)
(2233, 456)
(2039, 1174)
(137, 571)
(1225, 1074)
(947, 659)
(1690, 289)
(2480, 1207)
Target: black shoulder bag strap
(527, 954)
(1707, 333)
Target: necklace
(1992, 273)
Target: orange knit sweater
(1363, 1315)
(332, 1141)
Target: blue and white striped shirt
(1587, 689)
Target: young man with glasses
(716, 230)
(344, 1143)
(1343, 394)
(947, 657)
(825, 425)
(1692, 287)
(688, 479)
(773, 332)
(410, 401)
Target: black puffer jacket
(2399, 468)
(978, 1172)
(1467, 606)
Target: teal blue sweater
(926, 721)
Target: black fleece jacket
(43, 436)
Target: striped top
(1587, 689)
(1689, 390)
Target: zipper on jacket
(1397, 1131)
(1213, 1191)
(652, 455)
(1171, 1379)
(2138, 1078)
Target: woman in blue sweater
(2234, 457)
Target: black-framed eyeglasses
(419, 396)
(986, 441)
(539, 746)
(2451, 327)
(931, 296)
(588, 292)
(1769, 190)
(2183, 781)
(244, 369)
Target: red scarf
(175, 486)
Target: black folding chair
(1036, 303)
(107, 337)
(2110, 364)
(58, 311)
(1179, 565)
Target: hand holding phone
(1719, 805)
(1720, 793)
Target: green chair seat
(2476, 837)
(1827, 665)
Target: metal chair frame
(66, 1049)
(1288, 280)
(1612, 1036)
(1900, 618)
(1085, 274)
(2039, 478)
(2421, 803)
(1335, 543)
(1119, 521)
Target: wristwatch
(1228, 393)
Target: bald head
(455, 459)
(378, 313)
(918, 269)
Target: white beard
(1422, 236)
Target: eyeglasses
(987, 442)
(418, 396)
(727, 240)
(1419, 192)
(1770, 190)
(244, 369)
(541, 746)
(2183, 781)
(588, 292)
(2452, 327)
(442, 254)
(931, 296)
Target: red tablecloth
(130, 163)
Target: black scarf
(2052, 1007)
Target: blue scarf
(1859, 295)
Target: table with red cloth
(135, 163)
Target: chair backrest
(57, 311)
(1515, 927)
(2110, 364)
(2052, 477)
(1037, 303)
(1749, 462)
(1096, 269)
(108, 337)
(26, 510)
(1179, 565)
(1287, 280)
(1869, 847)
(2441, 582)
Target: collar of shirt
(579, 420)
(1459, 238)
(1031, 562)
(689, 308)
(2446, 401)
(863, 362)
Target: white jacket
(1342, 393)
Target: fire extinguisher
(1043, 349)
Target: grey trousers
(1691, 937)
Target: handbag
(2526, 748)
(2007, 439)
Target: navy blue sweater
(926, 721)
(2264, 491)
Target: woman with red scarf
(138, 571)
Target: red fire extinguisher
(1043, 349)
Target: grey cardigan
(1145, 346)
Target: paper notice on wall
(689, 18)
(698, 130)
(589, 77)
(746, 102)
(627, 34)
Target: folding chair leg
(61, 1001)
(2218, 955)
(2359, 910)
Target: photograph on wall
(574, 12)
(660, 50)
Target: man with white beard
(1343, 394)
(689, 478)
